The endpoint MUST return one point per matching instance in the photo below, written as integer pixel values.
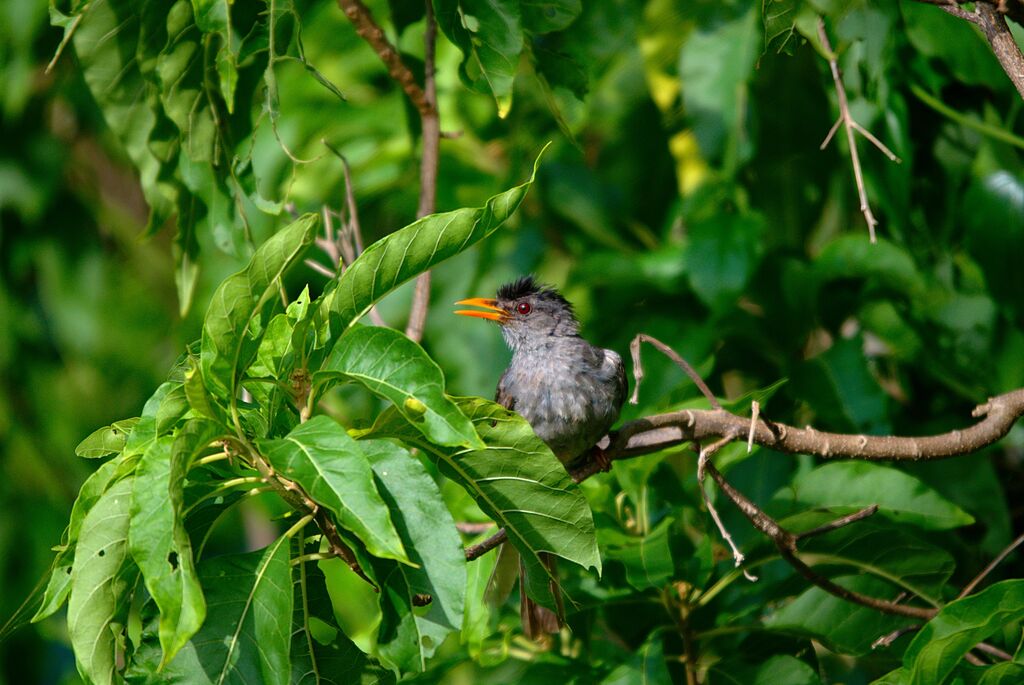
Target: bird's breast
(569, 402)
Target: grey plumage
(567, 389)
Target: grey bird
(569, 391)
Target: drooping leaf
(490, 35)
(230, 340)
(158, 540)
(393, 260)
(101, 578)
(394, 367)
(329, 465)
(900, 497)
(544, 16)
(408, 635)
(214, 17)
(517, 481)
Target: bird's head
(527, 311)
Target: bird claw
(602, 459)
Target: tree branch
(431, 134)
(368, 29)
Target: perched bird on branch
(567, 389)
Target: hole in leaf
(172, 559)
(101, 553)
(69, 570)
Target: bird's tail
(539, 621)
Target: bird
(569, 391)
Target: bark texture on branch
(661, 431)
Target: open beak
(496, 313)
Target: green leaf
(779, 20)
(230, 335)
(330, 466)
(646, 666)
(393, 260)
(517, 481)
(787, 669)
(247, 636)
(648, 559)
(722, 255)
(490, 35)
(1005, 673)
(394, 367)
(993, 217)
(157, 537)
(408, 635)
(59, 584)
(899, 496)
(715, 65)
(544, 16)
(101, 579)
(321, 653)
(214, 16)
(942, 642)
(842, 626)
(106, 441)
(881, 264)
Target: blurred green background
(685, 196)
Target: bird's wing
(620, 377)
(502, 396)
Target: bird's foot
(601, 458)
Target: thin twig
(702, 463)
(993, 651)
(431, 134)
(969, 588)
(638, 371)
(482, 548)
(887, 639)
(839, 522)
(851, 126)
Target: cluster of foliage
(684, 196)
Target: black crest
(528, 285)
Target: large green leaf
(247, 636)
(942, 642)
(101, 578)
(647, 559)
(517, 481)
(394, 367)
(490, 35)
(106, 441)
(899, 496)
(393, 260)
(230, 334)
(330, 466)
(408, 636)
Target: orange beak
(496, 313)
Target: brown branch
(989, 16)
(785, 542)
(368, 29)
(431, 133)
(998, 35)
(478, 550)
(661, 431)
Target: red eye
(523, 308)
